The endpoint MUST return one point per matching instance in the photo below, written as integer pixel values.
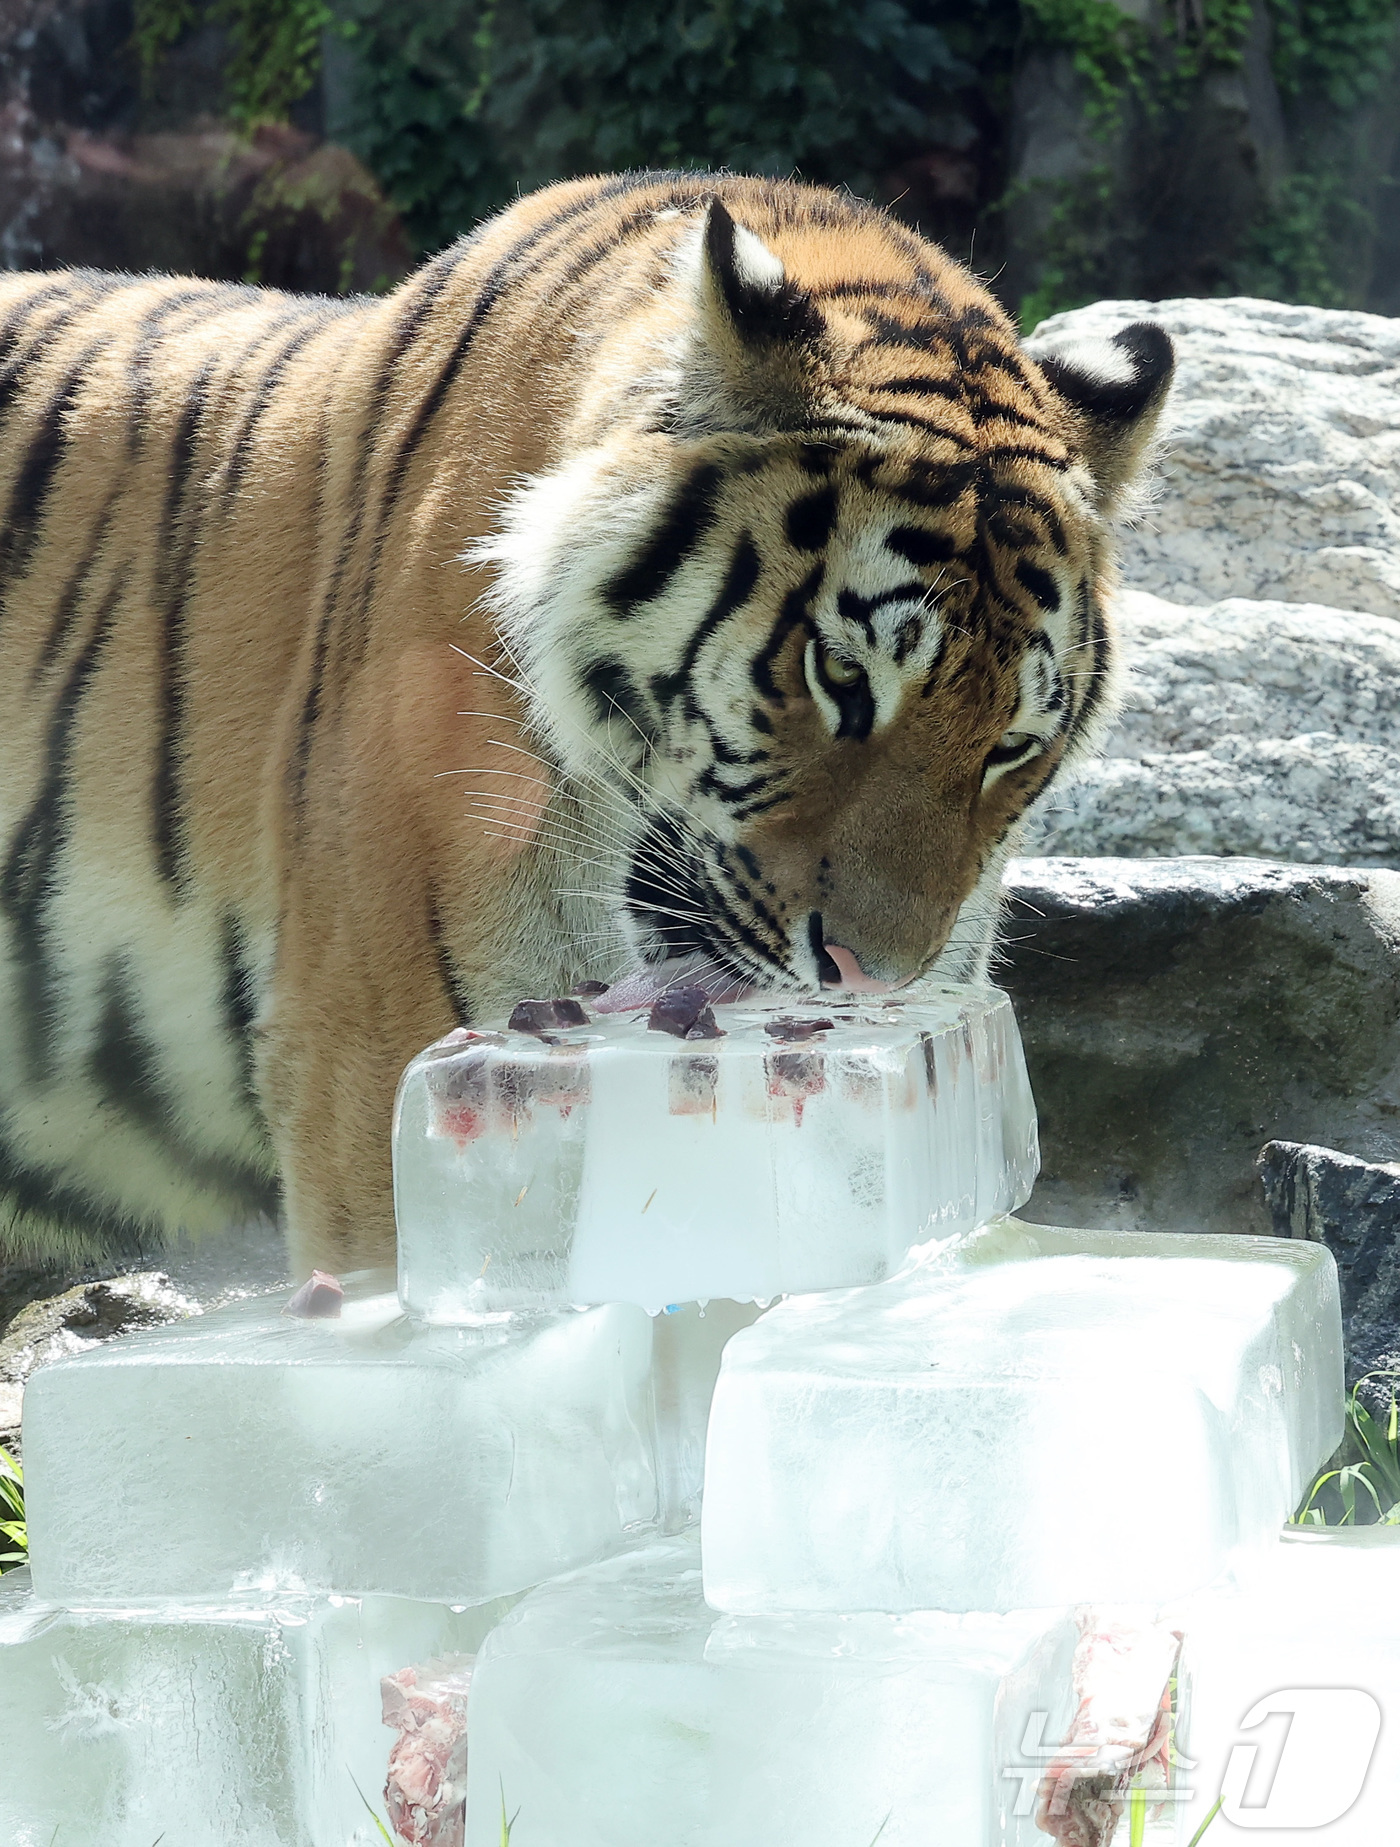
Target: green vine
(274, 48)
(461, 104)
(1120, 58)
(1339, 49)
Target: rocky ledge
(1263, 590)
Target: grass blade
(507, 1826)
(1195, 1840)
(370, 1809)
(1137, 1817)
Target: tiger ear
(1118, 387)
(756, 334)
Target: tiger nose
(853, 976)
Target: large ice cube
(1296, 1695)
(1039, 1417)
(202, 1726)
(611, 1162)
(248, 1448)
(613, 1709)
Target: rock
(276, 207)
(1256, 728)
(1353, 1207)
(84, 1317)
(1282, 471)
(1179, 1013)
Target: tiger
(683, 577)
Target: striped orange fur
(681, 568)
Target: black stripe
(876, 291)
(793, 614)
(741, 929)
(238, 1005)
(263, 393)
(300, 761)
(708, 782)
(1097, 638)
(176, 572)
(613, 692)
(954, 389)
(125, 1067)
(862, 609)
(29, 878)
(988, 410)
(150, 332)
(933, 484)
(1041, 584)
(35, 1201)
(810, 520)
(24, 515)
(70, 599)
(1022, 452)
(922, 547)
(20, 363)
(452, 984)
(739, 582)
(924, 423)
(1013, 495)
(911, 633)
(683, 525)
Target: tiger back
(682, 577)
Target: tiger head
(812, 611)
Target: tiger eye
(837, 671)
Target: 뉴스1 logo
(1311, 1765)
(1304, 1767)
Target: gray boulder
(1268, 729)
(80, 1317)
(1179, 1013)
(1260, 715)
(1281, 469)
(1353, 1207)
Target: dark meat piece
(318, 1299)
(589, 988)
(793, 1031)
(542, 1016)
(685, 1013)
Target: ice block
(1297, 1694)
(359, 1453)
(1038, 1417)
(613, 1709)
(796, 1147)
(200, 1725)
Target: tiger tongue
(647, 985)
